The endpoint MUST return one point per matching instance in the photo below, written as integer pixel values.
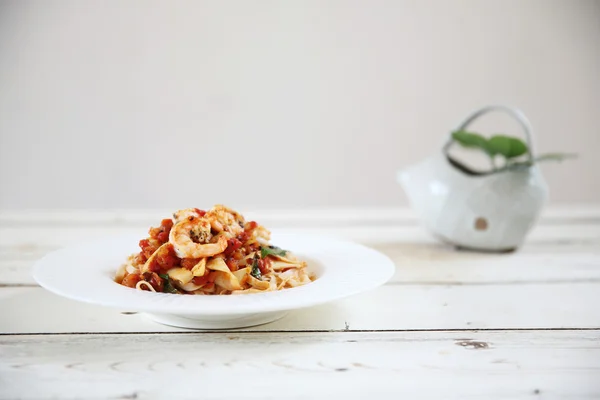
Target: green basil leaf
(272, 250)
(255, 270)
(168, 286)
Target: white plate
(85, 273)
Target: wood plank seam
(240, 332)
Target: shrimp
(224, 219)
(258, 232)
(186, 212)
(191, 238)
(262, 234)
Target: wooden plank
(390, 307)
(566, 254)
(342, 365)
(537, 262)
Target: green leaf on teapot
(471, 139)
(507, 146)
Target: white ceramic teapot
(479, 211)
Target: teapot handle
(513, 112)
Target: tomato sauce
(157, 237)
(200, 280)
(236, 251)
(161, 233)
(166, 258)
(153, 279)
(131, 280)
(189, 263)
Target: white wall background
(280, 103)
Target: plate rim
(384, 272)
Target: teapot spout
(425, 187)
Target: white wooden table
(448, 325)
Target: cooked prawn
(186, 212)
(191, 238)
(224, 219)
(262, 234)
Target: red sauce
(250, 226)
(232, 245)
(189, 263)
(232, 264)
(157, 237)
(265, 266)
(211, 276)
(154, 267)
(161, 234)
(200, 280)
(140, 259)
(163, 237)
(153, 279)
(242, 237)
(262, 266)
(166, 258)
(148, 247)
(131, 280)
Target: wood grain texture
(391, 307)
(535, 312)
(449, 365)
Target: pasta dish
(211, 252)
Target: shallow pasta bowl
(85, 273)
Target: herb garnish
(168, 286)
(507, 147)
(272, 250)
(255, 269)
